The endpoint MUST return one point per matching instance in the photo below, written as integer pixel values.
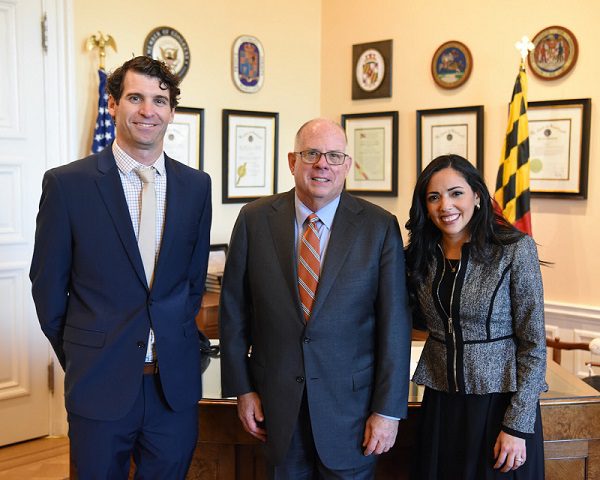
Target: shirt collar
(325, 214)
(127, 164)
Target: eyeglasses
(313, 156)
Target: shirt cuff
(387, 416)
(517, 433)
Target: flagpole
(512, 192)
(104, 130)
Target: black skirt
(457, 436)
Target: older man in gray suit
(315, 329)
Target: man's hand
(509, 451)
(251, 414)
(380, 434)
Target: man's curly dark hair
(149, 67)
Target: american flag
(104, 133)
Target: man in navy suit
(123, 328)
(323, 382)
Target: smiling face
(450, 204)
(319, 183)
(142, 116)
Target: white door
(24, 354)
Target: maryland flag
(512, 183)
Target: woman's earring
(477, 206)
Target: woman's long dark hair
(487, 226)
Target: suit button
(150, 302)
(306, 340)
(141, 345)
(300, 379)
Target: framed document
(372, 70)
(554, 53)
(451, 64)
(373, 146)
(444, 131)
(249, 155)
(184, 139)
(559, 147)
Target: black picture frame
(245, 126)
(460, 120)
(184, 138)
(374, 170)
(374, 85)
(571, 118)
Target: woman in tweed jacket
(477, 288)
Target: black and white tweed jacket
(496, 340)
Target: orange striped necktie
(309, 265)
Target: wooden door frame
(60, 123)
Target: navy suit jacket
(352, 357)
(90, 290)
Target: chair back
(558, 346)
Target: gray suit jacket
(353, 355)
(499, 330)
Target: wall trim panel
(14, 379)
(10, 124)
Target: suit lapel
(281, 222)
(175, 204)
(343, 234)
(111, 191)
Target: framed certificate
(559, 147)
(184, 138)
(444, 131)
(249, 155)
(373, 146)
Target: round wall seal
(168, 45)
(248, 58)
(370, 70)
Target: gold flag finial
(101, 41)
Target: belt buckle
(150, 368)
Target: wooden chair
(557, 346)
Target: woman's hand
(509, 451)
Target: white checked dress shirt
(132, 187)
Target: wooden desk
(570, 416)
(207, 319)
